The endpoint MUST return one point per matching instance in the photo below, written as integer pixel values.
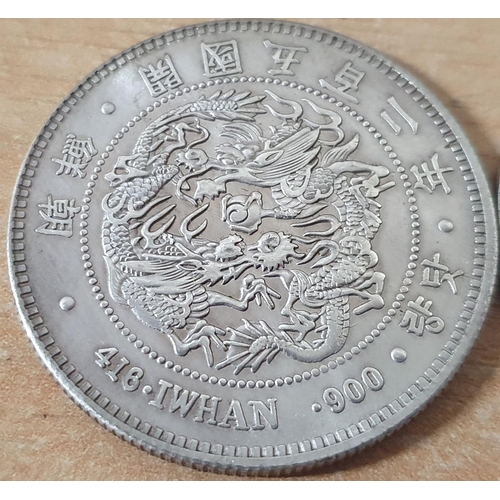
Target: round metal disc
(252, 246)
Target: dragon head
(124, 171)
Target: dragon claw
(201, 335)
(257, 289)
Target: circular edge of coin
(300, 464)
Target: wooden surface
(43, 435)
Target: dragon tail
(252, 345)
(334, 330)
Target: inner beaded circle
(306, 375)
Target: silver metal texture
(269, 246)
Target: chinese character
(59, 215)
(77, 154)
(221, 58)
(285, 56)
(161, 78)
(435, 273)
(418, 317)
(349, 78)
(435, 177)
(397, 129)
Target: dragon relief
(171, 279)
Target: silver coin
(269, 246)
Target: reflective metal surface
(269, 246)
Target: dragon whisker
(188, 233)
(334, 225)
(149, 235)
